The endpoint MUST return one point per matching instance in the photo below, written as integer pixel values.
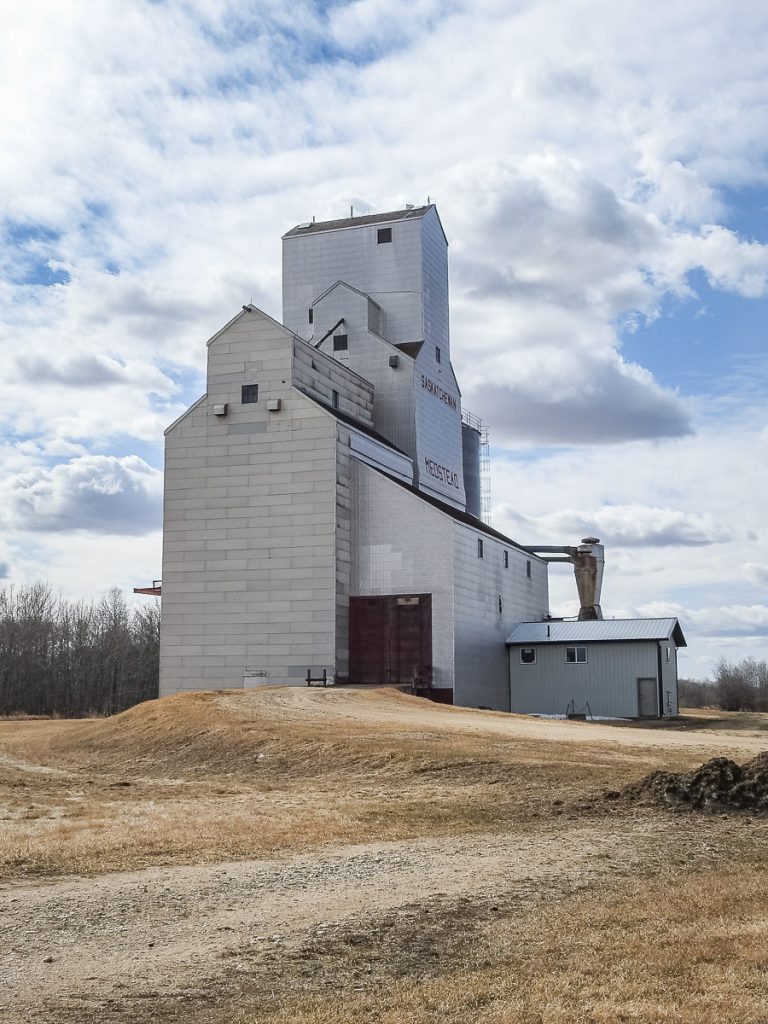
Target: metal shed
(617, 668)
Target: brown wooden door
(390, 639)
(368, 640)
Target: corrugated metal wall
(607, 682)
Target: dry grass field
(341, 856)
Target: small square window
(383, 235)
(528, 568)
(576, 655)
(527, 655)
(479, 547)
(311, 315)
(340, 342)
(249, 393)
(437, 354)
(335, 399)
(506, 559)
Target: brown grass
(212, 776)
(206, 777)
(671, 949)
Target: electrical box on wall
(273, 405)
(220, 410)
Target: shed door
(390, 639)
(647, 698)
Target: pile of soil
(718, 785)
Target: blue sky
(605, 195)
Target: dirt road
(497, 813)
(304, 705)
(120, 947)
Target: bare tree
(75, 658)
(742, 686)
(697, 693)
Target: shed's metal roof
(595, 630)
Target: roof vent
(409, 206)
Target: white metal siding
(319, 375)
(434, 278)
(390, 273)
(439, 458)
(250, 521)
(401, 545)
(669, 704)
(482, 667)
(607, 682)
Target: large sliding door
(390, 639)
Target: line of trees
(737, 686)
(59, 657)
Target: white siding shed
(613, 668)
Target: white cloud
(726, 620)
(635, 526)
(755, 573)
(579, 178)
(100, 493)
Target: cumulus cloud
(100, 493)
(579, 184)
(89, 371)
(622, 403)
(637, 526)
(552, 258)
(755, 573)
(718, 621)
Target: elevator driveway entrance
(390, 639)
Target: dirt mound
(267, 733)
(718, 785)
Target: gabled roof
(354, 222)
(344, 284)
(364, 428)
(250, 308)
(597, 630)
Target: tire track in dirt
(87, 948)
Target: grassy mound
(253, 732)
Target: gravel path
(302, 704)
(86, 949)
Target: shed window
(669, 655)
(576, 655)
(479, 547)
(335, 399)
(249, 393)
(437, 354)
(311, 315)
(340, 342)
(506, 559)
(383, 235)
(501, 606)
(527, 655)
(528, 568)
